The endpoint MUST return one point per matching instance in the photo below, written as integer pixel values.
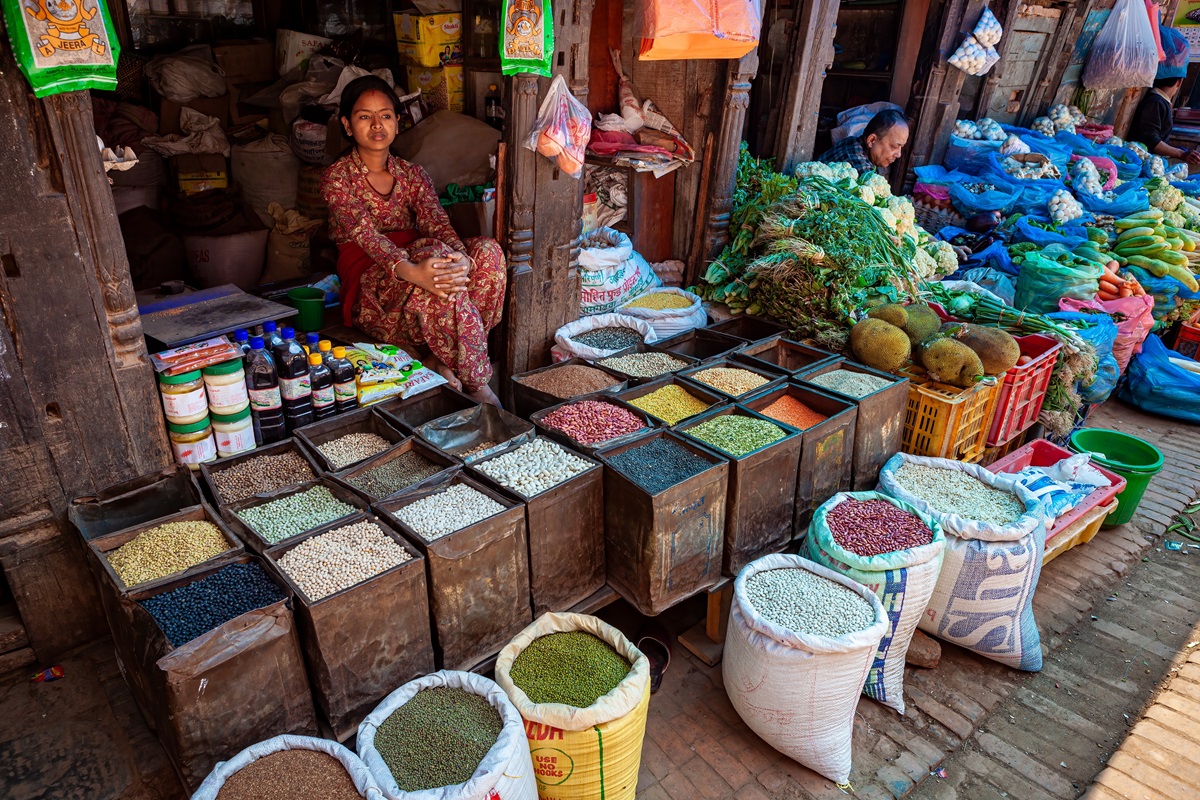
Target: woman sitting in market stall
(881, 143)
(406, 276)
(1155, 115)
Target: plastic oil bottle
(266, 403)
(323, 399)
(295, 383)
(493, 109)
(241, 340)
(271, 336)
(345, 388)
(310, 342)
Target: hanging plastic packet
(63, 45)
(988, 31)
(562, 130)
(527, 37)
(974, 58)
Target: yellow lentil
(166, 550)
(671, 404)
(659, 301)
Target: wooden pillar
(810, 52)
(723, 175)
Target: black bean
(195, 609)
(659, 464)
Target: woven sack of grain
(506, 772)
(566, 347)
(983, 600)
(583, 753)
(903, 580)
(798, 691)
(364, 781)
(668, 322)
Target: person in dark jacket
(880, 144)
(1154, 118)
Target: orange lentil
(791, 411)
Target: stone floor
(1116, 618)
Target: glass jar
(234, 432)
(226, 386)
(184, 399)
(193, 444)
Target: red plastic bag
(690, 29)
(562, 130)
(1154, 14)
(1134, 317)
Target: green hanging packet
(526, 37)
(63, 45)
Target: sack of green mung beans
(801, 641)
(895, 551)
(995, 537)
(448, 736)
(291, 766)
(584, 692)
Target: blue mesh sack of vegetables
(1100, 331)
(1127, 161)
(1190, 188)
(975, 196)
(1128, 198)
(1080, 145)
(1041, 231)
(1162, 381)
(1058, 153)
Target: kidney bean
(874, 527)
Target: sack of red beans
(895, 551)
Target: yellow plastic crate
(1082, 531)
(944, 421)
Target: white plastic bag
(611, 272)
(983, 600)
(186, 75)
(364, 781)
(669, 322)
(798, 691)
(974, 58)
(569, 348)
(506, 772)
(853, 121)
(563, 129)
(1124, 55)
(988, 31)
(267, 172)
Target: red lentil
(874, 527)
(593, 421)
(291, 775)
(791, 411)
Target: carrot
(1125, 291)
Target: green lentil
(399, 473)
(671, 404)
(166, 550)
(574, 668)
(437, 738)
(737, 435)
(290, 516)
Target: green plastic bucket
(310, 303)
(1134, 460)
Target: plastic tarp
(969, 155)
(1002, 198)
(1101, 333)
(1070, 235)
(1161, 387)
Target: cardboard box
(199, 173)
(472, 219)
(293, 49)
(169, 111)
(429, 40)
(250, 61)
(440, 87)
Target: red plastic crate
(1188, 341)
(1041, 453)
(1024, 389)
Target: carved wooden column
(725, 156)
(810, 52)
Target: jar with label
(234, 432)
(184, 399)
(193, 444)
(226, 387)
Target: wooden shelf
(864, 74)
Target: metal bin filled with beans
(995, 531)
(258, 472)
(752, 329)
(408, 466)
(548, 386)
(475, 544)
(882, 401)
(644, 363)
(672, 400)
(592, 422)
(216, 655)
(732, 379)
(267, 520)
(563, 493)
(783, 356)
(827, 425)
(362, 609)
(763, 458)
(891, 548)
(291, 767)
(348, 439)
(583, 690)
(801, 639)
(664, 519)
(476, 433)
(450, 735)
(410, 413)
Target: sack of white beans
(797, 652)
(895, 551)
(995, 539)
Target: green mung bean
(737, 435)
(574, 668)
(437, 738)
(281, 519)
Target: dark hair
(1166, 83)
(884, 121)
(360, 86)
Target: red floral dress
(375, 232)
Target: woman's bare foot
(484, 394)
(441, 369)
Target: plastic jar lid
(230, 419)
(191, 427)
(224, 368)
(184, 377)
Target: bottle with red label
(345, 387)
(323, 399)
(295, 383)
(266, 401)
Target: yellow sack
(583, 753)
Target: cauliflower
(865, 194)
(877, 184)
(889, 218)
(1163, 195)
(1174, 218)
(943, 253)
(830, 172)
(926, 266)
(902, 209)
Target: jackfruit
(948, 360)
(880, 345)
(892, 313)
(997, 349)
(923, 322)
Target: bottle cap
(288, 333)
(256, 343)
(311, 338)
(492, 87)
(224, 368)
(325, 345)
(241, 335)
(229, 419)
(183, 377)
(191, 427)
(339, 352)
(314, 359)
(269, 327)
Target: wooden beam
(729, 139)
(908, 47)
(810, 54)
